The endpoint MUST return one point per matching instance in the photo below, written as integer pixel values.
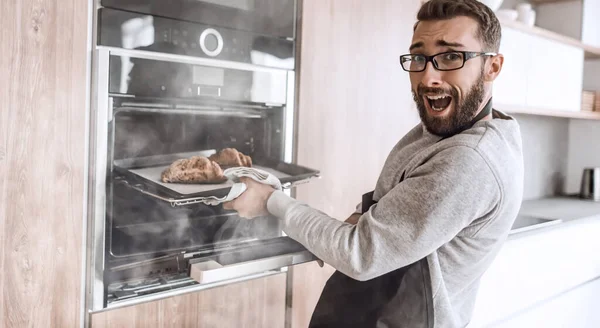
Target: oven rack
(175, 202)
(121, 104)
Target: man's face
(448, 100)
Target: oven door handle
(210, 271)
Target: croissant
(197, 169)
(231, 157)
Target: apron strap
(487, 109)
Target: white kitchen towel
(234, 174)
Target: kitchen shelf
(591, 52)
(582, 115)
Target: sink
(526, 223)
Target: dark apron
(350, 303)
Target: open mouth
(439, 103)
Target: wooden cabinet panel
(308, 282)
(354, 105)
(42, 141)
(256, 303)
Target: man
(446, 198)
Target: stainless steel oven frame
(101, 114)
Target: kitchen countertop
(565, 208)
(541, 215)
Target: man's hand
(252, 202)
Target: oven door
(131, 282)
(267, 17)
(253, 259)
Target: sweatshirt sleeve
(423, 212)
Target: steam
(145, 225)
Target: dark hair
(489, 31)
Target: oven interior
(154, 230)
(143, 224)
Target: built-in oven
(156, 102)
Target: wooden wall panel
(256, 303)
(43, 47)
(354, 105)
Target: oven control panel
(137, 31)
(209, 42)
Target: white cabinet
(590, 29)
(555, 75)
(575, 308)
(534, 268)
(539, 73)
(510, 87)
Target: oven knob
(211, 42)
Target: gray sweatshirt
(448, 201)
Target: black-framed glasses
(445, 61)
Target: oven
(155, 102)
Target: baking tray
(147, 170)
(153, 174)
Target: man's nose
(431, 77)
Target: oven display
(247, 5)
(211, 76)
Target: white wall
(584, 136)
(591, 75)
(555, 151)
(553, 16)
(584, 150)
(545, 146)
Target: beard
(464, 111)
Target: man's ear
(493, 67)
